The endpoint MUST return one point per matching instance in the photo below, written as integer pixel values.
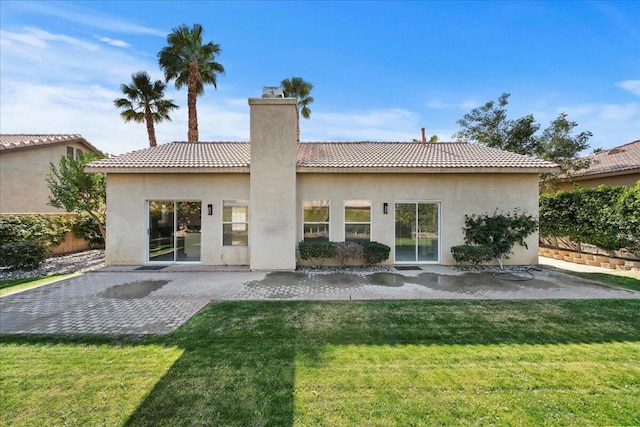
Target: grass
(327, 363)
(609, 279)
(13, 285)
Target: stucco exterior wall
(273, 183)
(23, 188)
(127, 197)
(628, 180)
(458, 194)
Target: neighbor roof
(23, 141)
(330, 156)
(619, 160)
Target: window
(316, 220)
(357, 220)
(74, 153)
(235, 223)
(174, 230)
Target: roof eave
(157, 170)
(428, 170)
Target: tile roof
(624, 158)
(18, 141)
(338, 155)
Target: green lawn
(12, 285)
(328, 363)
(609, 279)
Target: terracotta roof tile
(623, 158)
(17, 141)
(327, 155)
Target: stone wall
(589, 259)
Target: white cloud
(113, 42)
(632, 86)
(70, 12)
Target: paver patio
(129, 301)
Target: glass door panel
(188, 234)
(405, 232)
(417, 232)
(161, 236)
(427, 232)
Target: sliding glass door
(174, 231)
(417, 232)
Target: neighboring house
(24, 164)
(616, 166)
(234, 203)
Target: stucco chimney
(273, 183)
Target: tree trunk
(148, 117)
(191, 102)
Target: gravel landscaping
(65, 264)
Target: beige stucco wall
(273, 184)
(458, 194)
(628, 180)
(23, 188)
(127, 196)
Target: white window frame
(345, 222)
(327, 222)
(232, 222)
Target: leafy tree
(298, 88)
(559, 145)
(190, 63)
(75, 190)
(145, 102)
(488, 125)
(500, 232)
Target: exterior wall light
(385, 208)
(209, 209)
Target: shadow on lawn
(238, 367)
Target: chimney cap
(272, 92)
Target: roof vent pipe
(424, 137)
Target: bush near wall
(369, 253)
(25, 240)
(606, 217)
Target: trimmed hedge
(372, 252)
(473, 254)
(28, 254)
(606, 217)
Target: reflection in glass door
(417, 232)
(174, 231)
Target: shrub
(473, 254)
(375, 253)
(348, 250)
(86, 227)
(316, 249)
(28, 254)
(499, 231)
(49, 229)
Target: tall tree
(78, 191)
(297, 87)
(190, 63)
(559, 145)
(489, 125)
(145, 102)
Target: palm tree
(144, 103)
(189, 62)
(296, 87)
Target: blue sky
(381, 70)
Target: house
(616, 166)
(24, 164)
(237, 203)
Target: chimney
(272, 182)
(424, 137)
